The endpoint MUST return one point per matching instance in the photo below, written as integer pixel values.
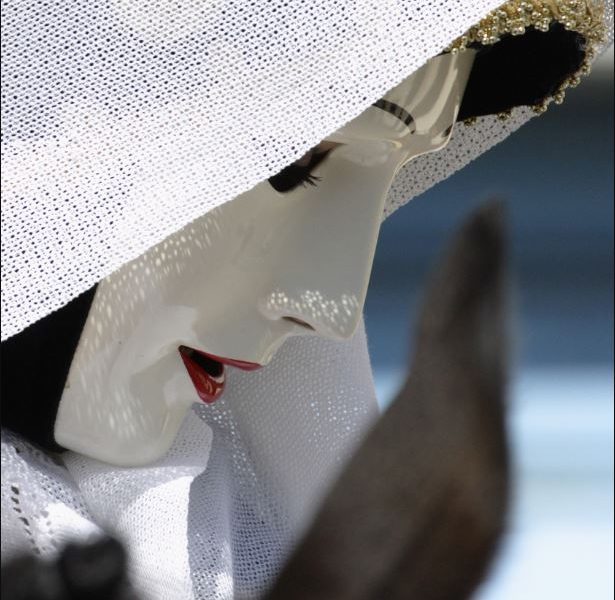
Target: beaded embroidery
(515, 16)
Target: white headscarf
(124, 121)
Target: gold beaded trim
(586, 17)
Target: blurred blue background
(556, 175)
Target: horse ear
(454, 401)
(418, 511)
(463, 320)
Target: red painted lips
(207, 371)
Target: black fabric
(521, 70)
(35, 364)
(81, 571)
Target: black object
(94, 571)
(521, 70)
(35, 364)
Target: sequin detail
(514, 17)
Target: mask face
(290, 257)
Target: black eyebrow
(397, 111)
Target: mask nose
(324, 246)
(311, 311)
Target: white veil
(124, 121)
(218, 514)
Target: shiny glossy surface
(245, 277)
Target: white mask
(242, 279)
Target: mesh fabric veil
(217, 515)
(124, 121)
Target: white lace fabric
(218, 514)
(124, 121)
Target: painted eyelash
(294, 175)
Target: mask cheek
(368, 153)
